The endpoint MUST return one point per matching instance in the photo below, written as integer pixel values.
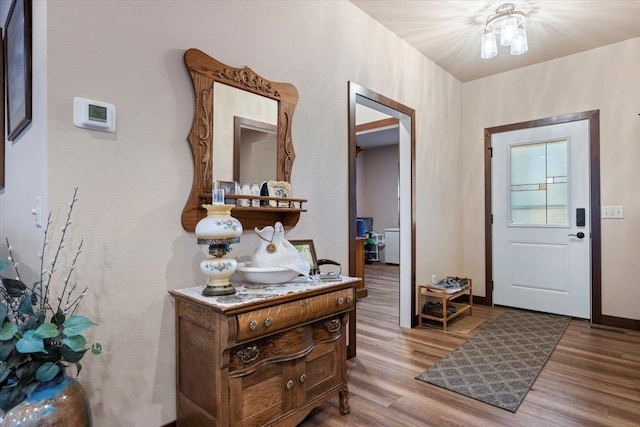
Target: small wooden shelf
(447, 301)
(262, 216)
(281, 201)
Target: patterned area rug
(499, 364)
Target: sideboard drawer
(265, 321)
(285, 345)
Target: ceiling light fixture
(512, 32)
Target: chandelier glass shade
(519, 43)
(512, 32)
(489, 47)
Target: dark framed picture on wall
(2, 109)
(17, 65)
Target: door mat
(499, 364)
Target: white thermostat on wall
(94, 115)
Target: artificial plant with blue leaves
(40, 334)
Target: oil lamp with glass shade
(218, 230)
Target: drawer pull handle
(333, 325)
(268, 321)
(340, 301)
(304, 303)
(289, 384)
(249, 354)
(303, 378)
(349, 299)
(253, 325)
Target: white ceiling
(449, 31)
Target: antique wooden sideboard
(265, 356)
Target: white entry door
(541, 219)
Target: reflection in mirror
(255, 151)
(229, 103)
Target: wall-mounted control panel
(94, 115)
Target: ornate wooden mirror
(209, 75)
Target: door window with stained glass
(538, 174)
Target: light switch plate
(612, 212)
(37, 212)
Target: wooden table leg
(351, 346)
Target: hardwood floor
(591, 379)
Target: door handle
(580, 235)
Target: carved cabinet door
(261, 396)
(261, 393)
(319, 372)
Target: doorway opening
(359, 95)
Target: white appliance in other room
(392, 245)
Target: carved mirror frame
(205, 71)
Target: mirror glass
(235, 146)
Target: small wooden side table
(447, 301)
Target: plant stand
(372, 251)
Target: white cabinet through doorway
(392, 245)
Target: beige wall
(133, 183)
(604, 79)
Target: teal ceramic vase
(59, 402)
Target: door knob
(579, 235)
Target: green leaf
(3, 311)
(75, 325)
(6, 347)
(58, 318)
(47, 372)
(27, 375)
(52, 354)
(30, 387)
(7, 331)
(32, 322)
(46, 330)
(25, 306)
(71, 356)
(4, 371)
(16, 359)
(29, 344)
(4, 264)
(75, 343)
(96, 348)
(10, 397)
(78, 368)
(15, 288)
